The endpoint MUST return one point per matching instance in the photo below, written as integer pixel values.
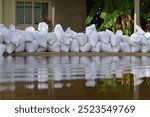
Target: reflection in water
(75, 77)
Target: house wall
(9, 12)
(70, 13)
(1, 11)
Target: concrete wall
(9, 12)
(70, 13)
(1, 11)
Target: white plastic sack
(31, 46)
(139, 30)
(104, 36)
(119, 33)
(30, 29)
(143, 39)
(135, 38)
(27, 36)
(116, 48)
(43, 27)
(1, 38)
(51, 38)
(85, 48)
(41, 49)
(17, 38)
(97, 48)
(92, 35)
(115, 40)
(69, 31)
(81, 38)
(54, 48)
(20, 48)
(135, 48)
(10, 48)
(2, 49)
(64, 48)
(66, 39)
(147, 35)
(146, 47)
(127, 39)
(106, 47)
(74, 46)
(12, 28)
(125, 47)
(58, 29)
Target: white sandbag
(17, 38)
(127, 39)
(69, 31)
(2, 49)
(104, 36)
(64, 48)
(135, 38)
(135, 48)
(31, 46)
(143, 39)
(116, 48)
(97, 48)
(12, 28)
(41, 49)
(51, 38)
(92, 34)
(106, 47)
(10, 48)
(115, 40)
(147, 35)
(81, 38)
(27, 36)
(20, 48)
(43, 27)
(66, 39)
(30, 29)
(139, 30)
(54, 48)
(125, 47)
(85, 48)
(74, 46)
(1, 37)
(119, 33)
(58, 29)
(41, 38)
(146, 47)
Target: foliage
(115, 14)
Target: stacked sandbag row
(30, 40)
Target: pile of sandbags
(31, 40)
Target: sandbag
(97, 48)
(30, 29)
(6, 34)
(41, 49)
(115, 40)
(106, 47)
(10, 48)
(119, 33)
(43, 27)
(116, 48)
(2, 49)
(17, 38)
(92, 35)
(66, 39)
(69, 31)
(135, 48)
(127, 39)
(125, 47)
(12, 28)
(20, 48)
(81, 38)
(54, 48)
(135, 38)
(31, 46)
(85, 48)
(1, 37)
(27, 36)
(147, 35)
(104, 37)
(64, 48)
(146, 47)
(74, 46)
(58, 29)
(51, 38)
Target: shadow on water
(64, 77)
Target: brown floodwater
(75, 77)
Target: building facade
(23, 13)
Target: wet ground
(75, 77)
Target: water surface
(75, 77)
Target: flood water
(75, 77)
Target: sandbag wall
(13, 40)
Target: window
(31, 12)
